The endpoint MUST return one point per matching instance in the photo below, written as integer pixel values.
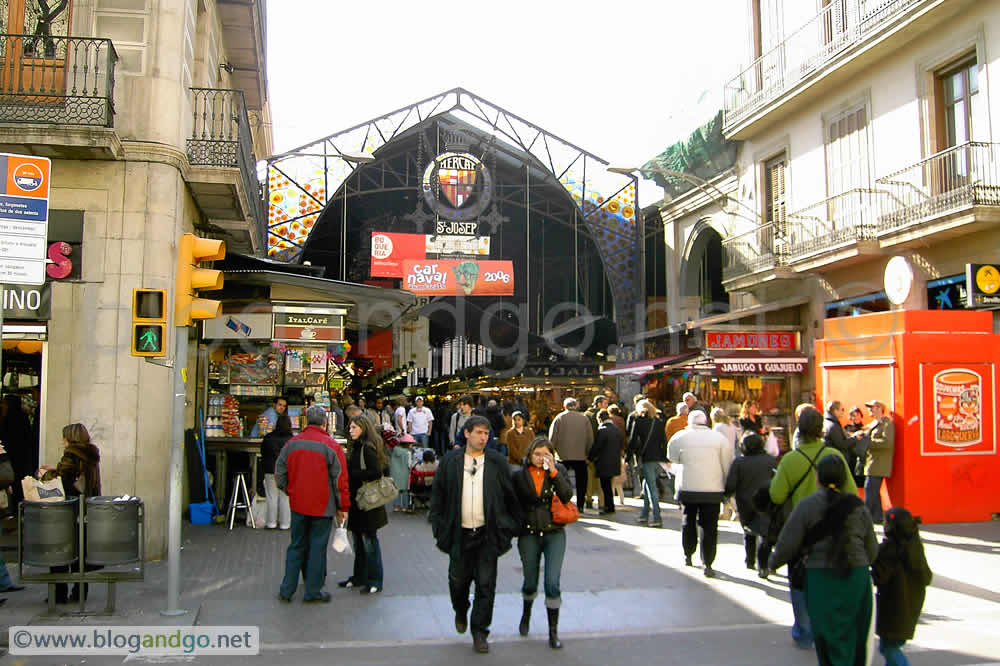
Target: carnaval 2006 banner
(449, 277)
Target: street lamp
(352, 159)
(700, 183)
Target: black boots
(554, 642)
(525, 617)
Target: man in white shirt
(399, 418)
(474, 515)
(419, 422)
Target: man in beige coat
(571, 436)
(878, 458)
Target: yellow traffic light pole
(188, 308)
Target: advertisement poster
(471, 245)
(390, 250)
(959, 415)
(449, 277)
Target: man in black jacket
(833, 433)
(474, 515)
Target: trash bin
(112, 531)
(50, 533)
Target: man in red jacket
(312, 469)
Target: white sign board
(24, 218)
(470, 245)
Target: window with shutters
(962, 105)
(775, 188)
(847, 162)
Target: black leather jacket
(537, 509)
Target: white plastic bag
(259, 508)
(341, 543)
(771, 445)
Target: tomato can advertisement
(449, 277)
(959, 402)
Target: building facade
(153, 113)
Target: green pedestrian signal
(149, 322)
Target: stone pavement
(622, 585)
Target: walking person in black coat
(606, 454)
(747, 475)
(901, 574)
(474, 515)
(535, 484)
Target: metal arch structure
(302, 182)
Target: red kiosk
(937, 372)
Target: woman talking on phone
(535, 484)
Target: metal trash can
(50, 533)
(112, 531)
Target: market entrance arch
(326, 197)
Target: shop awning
(649, 365)
(758, 362)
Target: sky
(622, 80)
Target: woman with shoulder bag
(368, 462)
(648, 441)
(834, 531)
(535, 484)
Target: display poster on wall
(958, 411)
(446, 277)
(478, 246)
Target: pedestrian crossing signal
(149, 322)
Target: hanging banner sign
(471, 245)
(389, 250)
(445, 277)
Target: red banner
(751, 340)
(390, 250)
(453, 278)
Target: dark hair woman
(368, 461)
(535, 484)
(835, 532)
(648, 441)
(746, 476)
(80, 472)
(279, 513)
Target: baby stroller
(422, 478)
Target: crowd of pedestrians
(498, 481)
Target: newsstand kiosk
(936, 370)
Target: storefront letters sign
(958, 406)
(573, 371)
(751, 340)
(748, 367)
(26, 302)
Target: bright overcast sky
(622, 80)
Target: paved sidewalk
(619, 580)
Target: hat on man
(697, 417)
(874, 403)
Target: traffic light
(149, 322)
(190, 278)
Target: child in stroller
(421, 478)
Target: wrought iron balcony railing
(750, 252)
(949, 181)
(840, 220)
(841, 25)
(57, 80)
(220, 136)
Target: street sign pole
(176, 470)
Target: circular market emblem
(28, 177)
(457, 186)
(988, 279)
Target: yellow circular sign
(988, 279)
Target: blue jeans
(553, 546)
(873, 497)
(892, 652)
(650, 492)
(802, 627)
(307, 554)
(421, 440)
(367, 559)
(5, 580)
(402, 500)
